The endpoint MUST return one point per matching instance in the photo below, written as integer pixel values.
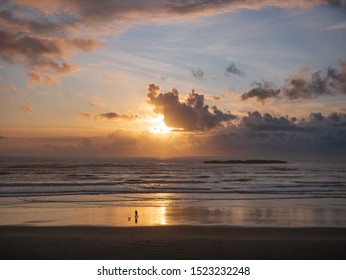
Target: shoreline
(172, 242)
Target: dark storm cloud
(107, 116)
(278, 136)
(232, 69)
(261, 92)
(318, 133)
(198, 74)
(316, 121)
(307, 84)
(256, 122)
(189, 115)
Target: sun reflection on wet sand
(163, 215)
(61, 215)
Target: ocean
(167, 191)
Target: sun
(158, 126)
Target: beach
(53, 208)
(171, 242)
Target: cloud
(123, 143)
(211, 97)
(57, 146)
(232, 69)
(35, 49)
(35, 30)
(261, 92)
(61, 68)
(118, 9)
(15, 17)
(40, 42)
(117, 143)
(307, 84)
(254, 135)
(208, 6)
(26, 108)
(315, 132)
(190, 114)
(114, 7)
(266, 135)
(107, 116)
(335, 3)
(256, 122)
(45, 79)
(61, 16)
(40, 56)
(15, 47)
(86, 144)
(198, 74)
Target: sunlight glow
(158, 126)
(163, 216)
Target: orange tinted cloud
(43, 56)
(45, 79)
(27, 107)
(101, 8)
(36, 32)
(107, 116)
(189, 115)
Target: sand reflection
(170, 215)
(163, 216)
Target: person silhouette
(136, 216)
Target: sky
(168, 78)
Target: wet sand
(171, 242)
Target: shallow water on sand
(60, 191)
